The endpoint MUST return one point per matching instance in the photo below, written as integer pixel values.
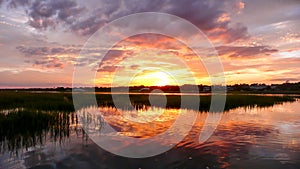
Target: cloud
(50, 63)
(286, 79)
(57, 57)
(44, 14)
(210, 16)
(107, 68)
(244, 51)
(206, 15)
(112, 60)
(41, 51)
(113, 54)
(149, 40)
(50, 57)
(16, 3)
(231, 34)
(134, 67)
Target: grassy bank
(232, 101)
(36, 101)
(63, 101)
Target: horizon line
(71, 87)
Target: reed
(23, 129)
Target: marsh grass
(232, 101)
(63, 101)
(29, 119)
(36, 101)
(24, 129)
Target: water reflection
(253, 137)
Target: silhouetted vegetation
(63, 101)
(24, 129)
(36, 101)
(174, 101)
(232, 101)
(287, 87)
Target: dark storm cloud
(205, 14)
(16, 3)
(245, 51)
(45, 14)
(88, 26)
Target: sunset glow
(41, 48)
(153, 79)
(149, 84)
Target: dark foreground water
(267, 138)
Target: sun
(157, 78)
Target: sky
(42, 42)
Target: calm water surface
(266, 138)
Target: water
(245, 138)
